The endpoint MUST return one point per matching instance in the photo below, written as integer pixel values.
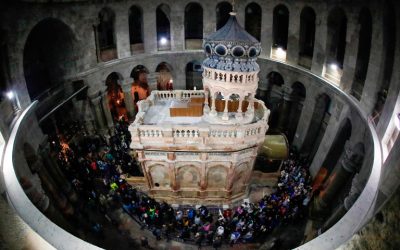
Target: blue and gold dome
(232, 48)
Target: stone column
(266, 28)
(239, 113)
(179, 77)
(328, 138)
(55, 172)
(240, 9)
(106, 110)
(318, 60)
(122, 34)
(284, 109)
(58, 196)
(350, 164)
(292, 51)
(213, 109)
(225, 116)
(230, 179)
(172, 176)
(149, 28)
(177, 27)
(98, 112)
(373, 81)
(250, 107)
(89, 49)
(97, 43)
(203, 177)
(304, 120)
(128, 99)
(33, 188)
(355, 191)
(350, 57)
(209, 19)
(206, 108)
(152, 80)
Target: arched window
(194, 75)
(106, 35)
(163, 17)
(136, 29)
(280, 27)
(296, 99)
(364, 49)
(223, 10)
(336, 40)
(193, 26)
(307, 36)
(389, 46)
(253, 20)
(319, 122)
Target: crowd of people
(97, 168)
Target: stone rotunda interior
(199, 124)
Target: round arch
(137, 69)
(163, 19)
(116, 97)
(49, 56)
(107, 45)
(193, 26)
(165, 76)
(253, 15)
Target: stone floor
(16, 234)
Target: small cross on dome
(233, 12)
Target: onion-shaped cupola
(232, 48)
(230, 74)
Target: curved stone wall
(80, 16)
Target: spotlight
(280, 52)
(163, 41)
(10, 95)
(333, 66)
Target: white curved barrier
(52, 233)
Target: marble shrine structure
(189, 157)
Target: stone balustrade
(157, 95)
(202, 136)
(231, 77)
